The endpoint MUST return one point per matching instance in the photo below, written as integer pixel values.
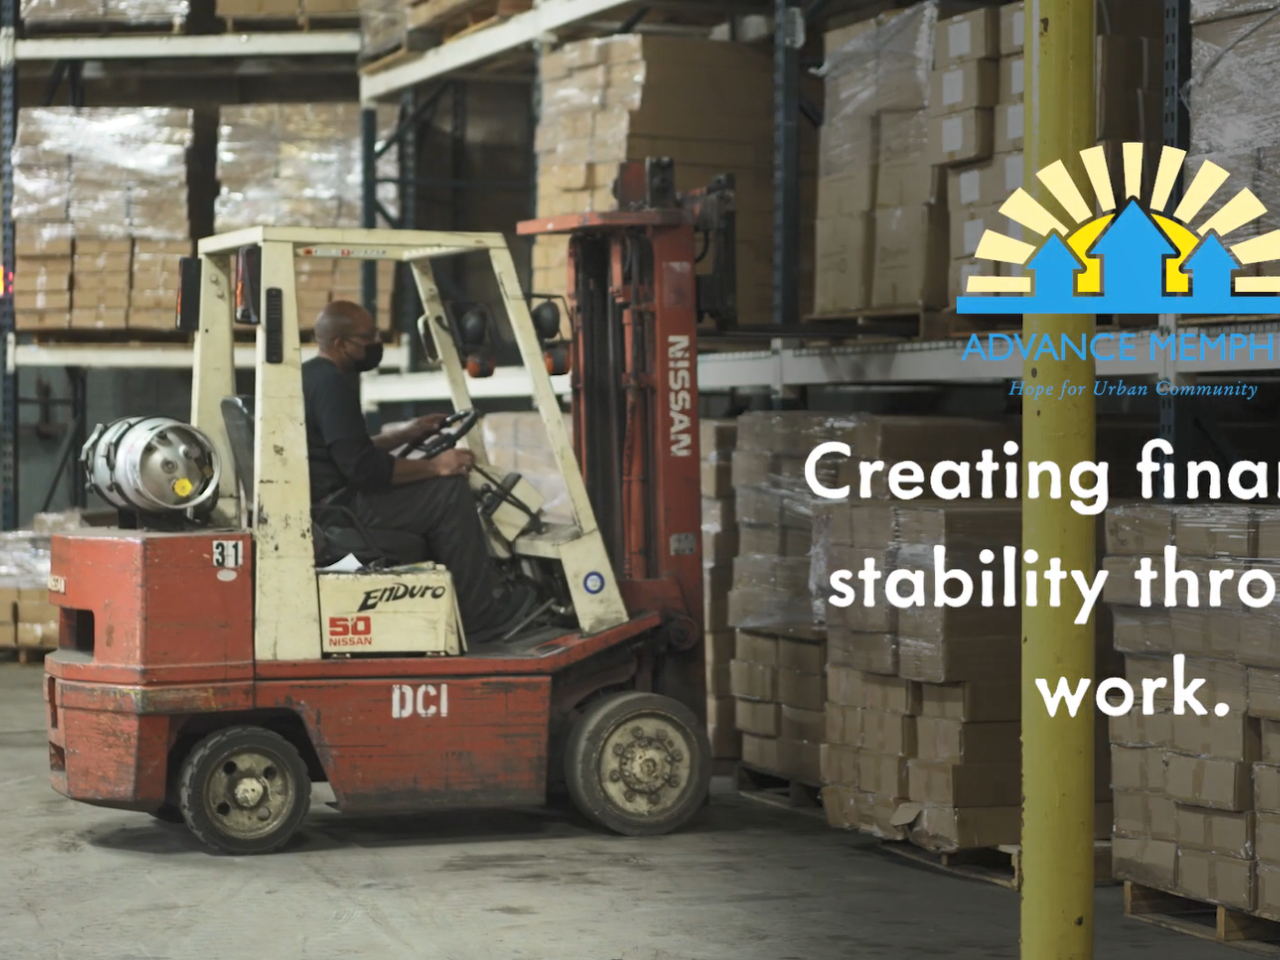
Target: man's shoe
(514, 607)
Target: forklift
(227, 644)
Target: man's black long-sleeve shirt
(339, 449)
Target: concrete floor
(746, 883)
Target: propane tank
(152, 465)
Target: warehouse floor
(746, 883)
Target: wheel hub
(248, 793)
(644, 766)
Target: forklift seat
(336, 530)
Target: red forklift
(225, 646)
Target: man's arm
(450, 463)
(412, 432)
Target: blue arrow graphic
(1133, 251)
(1211, 266)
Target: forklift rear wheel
(638, 764)
(244, 790)
(169, 814)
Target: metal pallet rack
(222, 56)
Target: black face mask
(372, 358)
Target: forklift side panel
(165, 607)
(401, 746)
(110, 759)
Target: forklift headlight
(248, 284)
(546, 320)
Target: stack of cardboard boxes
(154, 294)
(88, 183)
(1235, 123)
(779, 651)
(299, 165)
(1195, 795)
(881, 235)
(517, 442)
(37, 619)
(719, 548)
(704, 103)
(976, 102)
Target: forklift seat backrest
(237, 416)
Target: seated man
(430, 498)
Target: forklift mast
(639, 284)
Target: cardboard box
(716, 436)
(1267, 837)
(38, 610)
(42, 636)
(805, 656)
(962, 271)
(988, 183)
(840, 804)
(773, 541)
(889, 734)
(1233, 737)
(949, 741)
(964, 86)
(1139, 768)
(968, 226)
(846, 194)
(1153, 863)
(871, 692)
(1205, 782)
(716, 479)
(807, 726)
(869, 652)
(978, 701)
(1267, 890)
(1012, 28)
(1008, 128)
(763, 719)
(908, 184)
(910, 246)
(715, 597)
(806, 691)
(844, 249)
(756, 648)
(1138, 814)
(1264, 693)
(935, 660)
(753, 681)
(945, 828)
(724, 737)
(966, 785)
(843, 725)
(1136, 729)
(1013, 73)
(1271, 741)
(1139, 529)
(1266, 788)
(970, 36)
(760, 752)
(838, 764)
(1214, 831)
(1214, 879)
(965, 137)
(1138, 630)
(883, 775)
(1221, 530)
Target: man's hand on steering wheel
(445, 435)
(419, 429)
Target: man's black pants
(443, 511)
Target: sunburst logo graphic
(1142, 259)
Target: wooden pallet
(1205, 921)
(891, 323)
(999, 865)
(89, 27)
(763, 786)
(388, 55)
(302, 23)
(24, 655)
(457, 18)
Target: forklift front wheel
(244, 790)
(638, 764)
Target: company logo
(398, 591)
(1137, 255)
(593, 583)
(425, 701)
(679, 395)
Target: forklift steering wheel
(455, 427)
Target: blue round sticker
(593, 583)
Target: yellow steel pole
(1057, 753)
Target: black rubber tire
(169, 814)
(585, 763)
(206, 760)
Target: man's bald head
(342, 320)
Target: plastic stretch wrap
(106, 171)
(873, 66)
(24, 559)
(138, 11)
(296, 165)
(1233, 61)
(383, 24)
